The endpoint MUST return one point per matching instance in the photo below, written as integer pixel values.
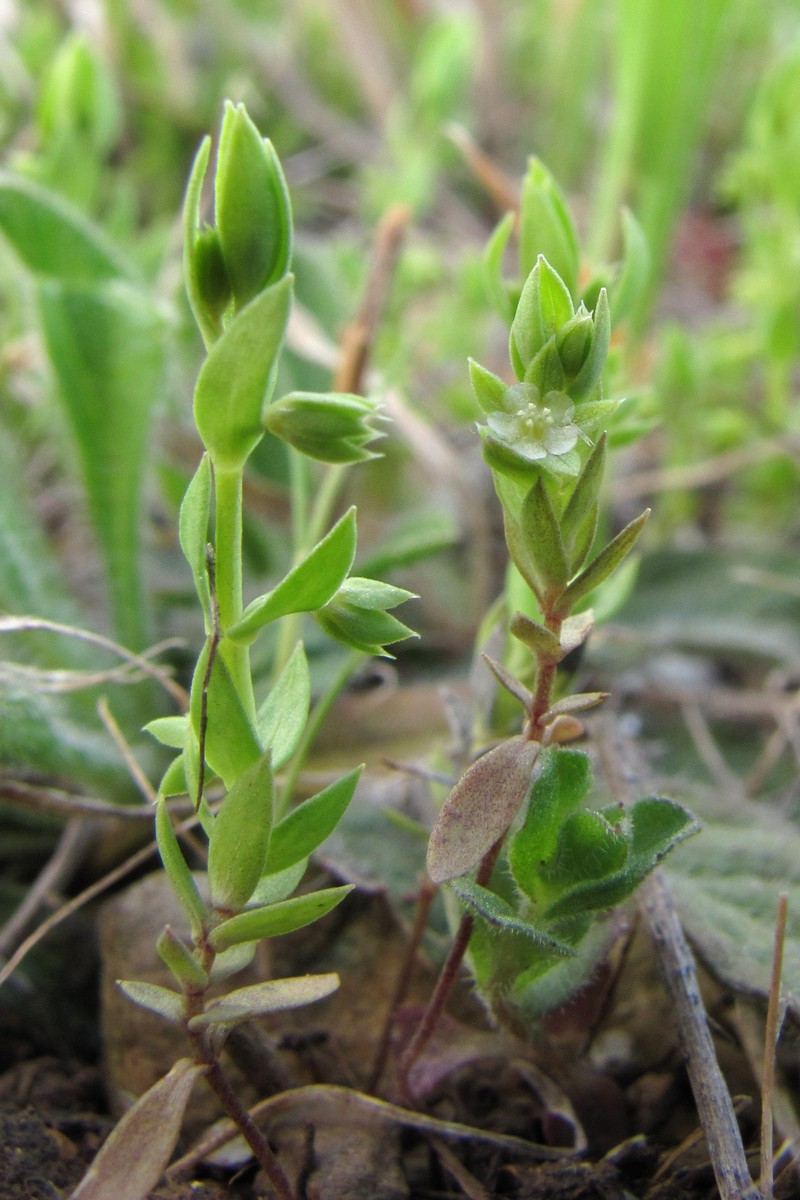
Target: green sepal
(160, 1000)
(589, 375)
(193, 523)
(561, 785)
(546, 226)
(332, 427)
(236, 377)
(208, 321)
(308, 586)
(231, 744)
(240, 836)
(259, 999)
(275, 919)
(307, 826)
(282, 717)
(181, 961)
(357, 617)
(489, 389)
(603, 565)
(177, 869)
(502, 916)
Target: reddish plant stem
(425, 898)
(445, 982)
(545, 678)
(194, 1003)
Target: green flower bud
(544, 306)
(573, 342)
(78, 98)
(213, 287)
(332, 427)
(546, 227)
(253, 211)
(357, 616)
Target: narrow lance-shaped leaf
(496, 287)
(233, 382)
(177, 868)
(538, 638)
(603, 565)
(540, 529)
(275, 919)
(308, 825)
(231, 744)
(258, 999)
(309, 585)
(132, 1159)
(631, 283)
(193, 531)
(584, 495)
(497, 912)
(152, 996)
(282, 717)
(209, 327)
(240, 837)
(181, 961)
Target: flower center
(536, 420)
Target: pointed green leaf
(603, 565)
(306, 827)
(544, 306)
(259, 999)
(497, 912)
(173, 781)
(542, 641)
(515, 687)
(658, 824)
(209, 326)
(193, 531)
(589, 375)
(480, 808)
(169, 731)
(238, 845)
(177, 869)
(369, 630)
(133, 1158)
(588, 848)
(309, 585)
(577, 702)
(53, 239)
(160, 1000)
(561, 785)
(234, 380)
(231, 744)
(540, 530)
(631, 283)
(106, 344)
(489, 389)
(278, 885)
(275, 919)
(546, 227)
(181, 961)
(496, 288)
(583, 501)
(372, 593)
(282, 717)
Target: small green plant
(240, 291)
(514, 842)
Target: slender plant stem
(445, 982)
(228, 551)
(545, 680)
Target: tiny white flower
(535, 426)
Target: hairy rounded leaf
(480, 808)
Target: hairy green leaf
(561, 785)
(497, 912)
(275, 919)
